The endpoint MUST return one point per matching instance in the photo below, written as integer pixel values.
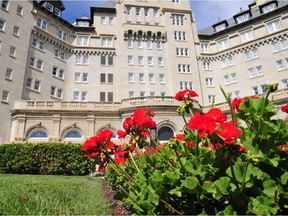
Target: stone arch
(37, 132)
(72, 133)
(165, 131)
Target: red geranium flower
(228, 132)
(179, 137)
(236, 102)
(216, 114)
(285, 108)
(186, 94)
(202, 124)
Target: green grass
(51, 195)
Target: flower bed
(216, 166)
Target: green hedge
(46, 159)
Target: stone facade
(66, 82)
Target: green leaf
(223, 184)
(190, 183)
(262, 205)
(270, 188)
(176, 191)
(228, 211)
(209, 187)
(284, 178)
(171, 177)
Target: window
(84, 96)
(175, 1)
(140, 44)
(255, 53)
(49, 6)
(251, 72)
(130, 60)
(160, 61)
(2, 25)
(102, 96)
(38, 134)
(182, 52)
(106, 60)
(131, 94)
(72, 135)
(259, 70)
(82, 59)
(138, 11)
(233, 77)
(184, 68)
(107, 42)
(220, 27)
(186, 85)
(129, 43)
(33, 85)
(223, 44)
(162, 78)
(211, 99)
(36, 63)
(141, 78)
(59, 54)
(177, 19)
(146, 12)
(103, 20)
(163, 94)
(12, 51)
(62, 35)
(285, 83)
(5, 96)
(246, 36)
(85, 77)
(8, 74)
(249, 54)
(243, 18)
(57, 12)
(111, 20)
(273, 26)
(5, 4)
(179, 35)
(57, 72)
(204, 48)
(155, 11)
(37, 85)
(140, 60)
(103, 78)
(150, 60)
(275, 47)
(151, 78)
(16, 30)
(29, 82)
(83, 41)
(41, 23)
(226, 79)
(269, 8)
(19, 10)
(130, 77)
(237, 94)
(77, 77)
(159, 45)
(142, 93)
(284, 44)
(81, 77)
(255, 90)
(206, 65)
(128, 11)
(209, 82)
(280, 65)
(59, 93)
(152, 94)
(263, 88)
(76, 96)
(227, 62)
(38, 44)
(110, 96)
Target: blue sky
(206, 12)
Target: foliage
(53, 158)
(51, 195)
(217, 166)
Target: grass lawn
(51, 195)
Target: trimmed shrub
(45, 158)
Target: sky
(206, 12)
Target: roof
(255, 14)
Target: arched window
(38, 134)
(72, 135)
(165, 133)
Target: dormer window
(268, 8)
(243, 18)
(49, 7)
(57, 12)
(220, 27)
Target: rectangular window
(140, 60)
(77, 77)
(130, 60)
(41, 23)
(83, 41)
(220, 27)
(150, 60)
(211, 99)
(130, 77)
(131, 94)
(111, 20)
(223, 44)
(255, 90)
(5, 4)
(152, 94)
(160, 61)
(259, 70)
(110, 60)
(82, 59)
(54, 71)
(146, 12)
(269, 8)
(2, 25)
(226, 79)
(274, 26)
(246, 36)
(110, 78)
(29, 82)
(263, 88)
(237, 94)
(155, 10)
(206, 65)
(16, 30)
(280, 65)
(76, 96)
(151, 78)
(110, 96)
(209, 82)
(62, 35)
(204, 48)
(61, 74)
(53, 91)
(255, 53)
(128, 11)
(8, 73)
(251, 72)
(57, 12)
(138, 11)
(162, 78)
(103, 20)
(5, 96)
(159, 45)
(49, 6)
(140, 44)
(233, 77)
(243, 18)
(31, 61)
(141, 78)
(84, 96)
(102, 78)
(85, 77)
(102, 96)
(284, 44)
(142, 94)
(275, 47)
(130, 43)
(19, 10)
(39, 64)
(12, 51)
(107, 42)
(37, 84)
(285, 83)
(59, 54)
(59, 93)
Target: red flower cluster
(138, 125)
(122, 153)
(97, 146)
(185, 95)
(237, 101)
(214, 121)
(285, 108)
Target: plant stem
(170, 207)
(177, 155)
(197, 145)
(233, 175)
(128, 195)
(133, 161)
(245, 171)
